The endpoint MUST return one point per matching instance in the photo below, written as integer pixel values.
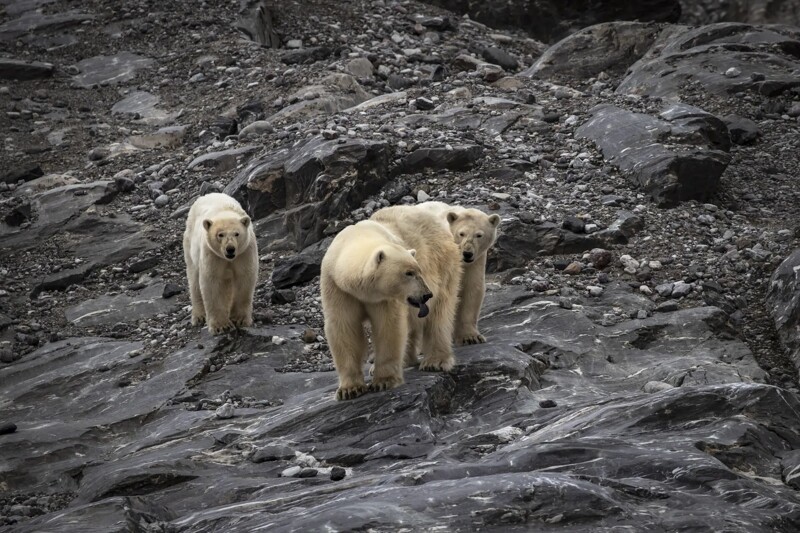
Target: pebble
(629, 263)
(573, 268)
(307, 472)
(7, 428)
(594, 290)
(338, 473)
(278, 341)
(600, 257)
(733, 72)
(161, 201)
(422, 196)
(547, 404)
(667, 307)
(225, 410)
(309, 336)
(292, 471)
(656, 386)
(665, 289)
(681, 289)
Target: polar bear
(221, 254)
(395, 272)
(474, 232)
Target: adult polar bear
(221, 254)
(474, 232)
(396, 272)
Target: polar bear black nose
(426, 297)
(230, 251)
(468, 256)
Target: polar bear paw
(350, 393)
(217, 327)
(472, 338)
(385, 383)
(439, 364)
(198, 319)
(242, 321)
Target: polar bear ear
(452, 216)
(245, 221)
(379, 257)
(413, 252)
(207, 224)
(494, 220)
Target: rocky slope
(641, 310)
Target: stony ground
(205, 82)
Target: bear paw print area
(489, 269)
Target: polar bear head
(228, 236)
(396, 272)
(474, 232)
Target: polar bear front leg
(437, 337)
(390, 338)
(473, 287)
(216, 297)
(198, 309)
(414, 344)
(242, 304)
(348, 344)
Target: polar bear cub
(392, 271)
(221, 254)
(474, 232)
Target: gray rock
(685, 57)
(306, 55)
(458, 158)
(143, 107)
(34, 21)
(300, 268)
(104, 70)
(498, 56)
(742, 130)
(17, 69)
(360, 67)
(609, 47)
(256, 21)
(678, 157)
(26, 173)
(224, 160)
(783, 301)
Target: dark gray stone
(122, 308)
(677, 157)
(24, 173)
(306, 55)
(255, 21)
(742, 130)
(498, 56)
(7, 428)
(300, 268)
(458, 158)
(17, 69)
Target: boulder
(676, 157)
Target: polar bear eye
(236, 234)
(410, 273)
(462, 234)
(221, 235)
(479, 235)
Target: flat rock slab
(557, 419)
(223, 160)
(105, 70)
(143, 108)
(679, 156)
(16, 69)
(33, 22)
(723, 58)
(108, 310)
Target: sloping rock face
(312, 183)
(678, 157)
(551, 20)
(633, 423)
(784, 301)
(698, 12)
(722, 58)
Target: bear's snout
(468, 256)
(230, 252)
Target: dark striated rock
(122, 308)
(763, 60)
(609, 47)
(312, 183)
(551, 20)
(300, 268)
(7, 428)
(17, 69)
(24, 173)
(677, 157)
(458, 158)
(783, 301)
(255, 21)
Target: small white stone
(656, 386)
(225, 410)
(422, 196)
(277, 341)
(732, 72)
(292, 471)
